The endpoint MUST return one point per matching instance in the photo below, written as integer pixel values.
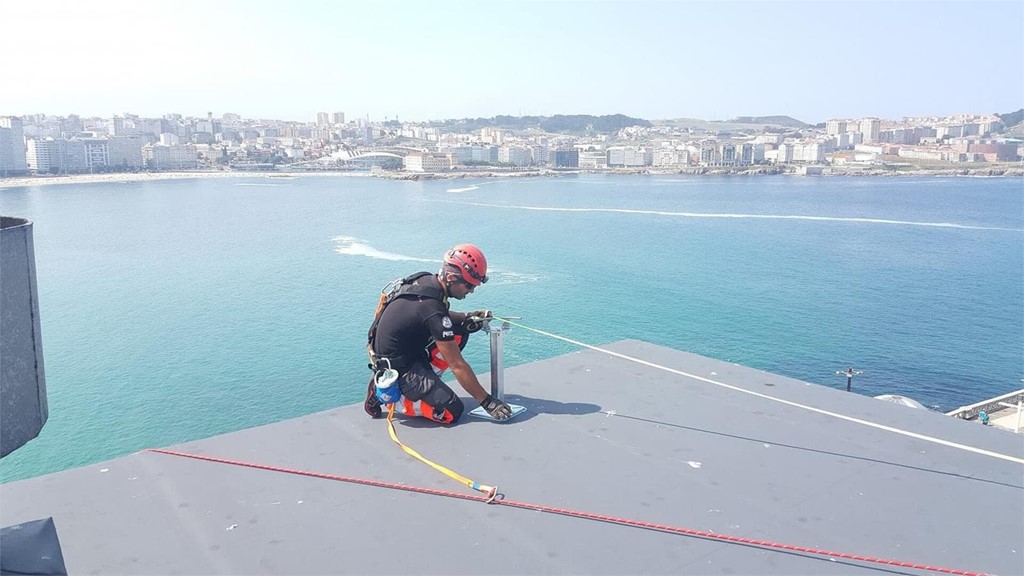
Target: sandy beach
(998, 170)
(147, 176)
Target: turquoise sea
(179, 309)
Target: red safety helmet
(470, 261)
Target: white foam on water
(753, 216)
(349, 246)
(477, 186)
(501, 277)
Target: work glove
(472, 323)
(498, 409)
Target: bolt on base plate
(479, 412)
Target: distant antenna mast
(849, 373)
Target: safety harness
(399, 288)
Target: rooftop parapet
(23, 408)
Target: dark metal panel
(23, 409)
(601, 435)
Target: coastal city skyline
(420, 62)
(45, 145)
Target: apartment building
(592, 157)
(995, 151)
(616, 156)
(491, 136)
(835, 127)
(428, 162)
(870, 127)
(125, 151)
(539, 153)
(174, 157)
(811, 152)
(97, 153)
(13, 161)
(629, 156)
(564, 158)
(514, 155)
(669, 157)
(477, 154)
(56, 156)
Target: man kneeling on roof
(415, 335)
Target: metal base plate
(479, 412)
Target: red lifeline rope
(577, 514)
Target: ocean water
(180, 309)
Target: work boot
(372, 403)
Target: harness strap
(400, 288)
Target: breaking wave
(466, 189)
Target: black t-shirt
(409, 323)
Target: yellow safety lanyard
(490, 491)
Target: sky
(434, 59)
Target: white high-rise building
(813, 152)
(56, 156)
(125, 151)
(491, 136)
(870, 127)
(12, 147)
(669, 156)
(593, 157)
(323, 118)
(429, 162)
(835, 127)
(637, 157)
(175, 157)
(616, 156)
(97, 153)
(338, 118)
(784, 153)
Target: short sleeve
(440, 325)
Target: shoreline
(130, 177)
(831, 171)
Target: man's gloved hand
(498, 409)
(473, 322)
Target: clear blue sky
(431, 59)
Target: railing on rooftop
(990, 405)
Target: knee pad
(455, 408)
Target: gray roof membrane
(602, 435)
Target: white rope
(772, 398)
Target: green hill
(571, 124)
(786, 121)
(741, 124)
(1012, 118)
